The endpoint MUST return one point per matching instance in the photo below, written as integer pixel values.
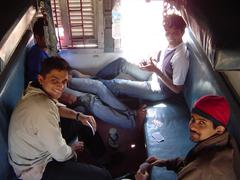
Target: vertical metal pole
(81, 11)
(55, 11)
(70, 22)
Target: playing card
(158, 136)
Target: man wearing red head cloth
(215, 156)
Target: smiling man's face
(54, 82)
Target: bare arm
(71, 114)
(171, 164)
(141, 176)
(66, 112)
(150, 66)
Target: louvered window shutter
(77, 19)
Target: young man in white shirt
(156, 79)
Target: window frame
(67, 41)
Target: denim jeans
(140, 88)
(98, 88)
(119, 66)
(124, 119)
(110, 71)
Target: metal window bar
(55, 16)
(81, 10)
(69, 19)
(81, 22)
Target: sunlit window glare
(59, 32)
(142, 31)
(160, 105)
(85, 45)
(133, 146)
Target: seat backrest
(11, 89)
(203, 80)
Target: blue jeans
(139, 88)
(98, 88)
(124, 119)
(119, 66)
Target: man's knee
(86, 100)
(105, 174)
(120, 60)
(101, 173)
(99, 85)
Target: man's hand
(143, 63)
(149, 65)
(144, 167)
(88, 121)
(141, 176)
(78, 146)
(154, 161)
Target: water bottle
(116, 21)
(113, 138)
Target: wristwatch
(77, 116)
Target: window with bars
(75, 22)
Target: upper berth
(215, 26)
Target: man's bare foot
(140, 116)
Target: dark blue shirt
(34, 60)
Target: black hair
(174, 20)
(54, 63)
(215, 126)
(38, 27)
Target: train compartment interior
(212, 37)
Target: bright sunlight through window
(142, 31)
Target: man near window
(82, 128)
(216, 154)
(156, 79)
